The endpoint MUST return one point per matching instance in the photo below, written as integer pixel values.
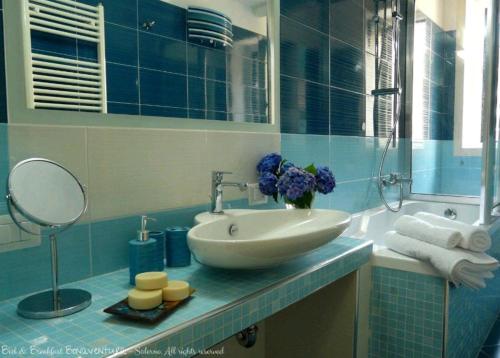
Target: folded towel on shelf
(474, 237)
(456, 265)
(424, 231)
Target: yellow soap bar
(176, 291)
(151, 280)
(144, 300)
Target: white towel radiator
(55, 82)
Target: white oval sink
(261, 238)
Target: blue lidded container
(159, 236)
(177, 250)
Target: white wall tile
(63, 144)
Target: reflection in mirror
(46, 193)
(50, 196)
(164, 63)
(448, 61)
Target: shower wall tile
(303, 150)
(304, 107)
(347, 114)
(347, 22)
(304, 52)
(311, 13)
(347, 66)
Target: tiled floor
(491, 348)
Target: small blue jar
(177, 250)
(159, 236)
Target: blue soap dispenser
(142, 252)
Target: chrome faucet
(218, 184)
(395, 178)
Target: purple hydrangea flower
(295, 182)
(285, 166)
(269, 163)
(325, 181)
(267, 184)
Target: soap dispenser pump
(142, 252)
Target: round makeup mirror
(45, 193)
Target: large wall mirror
(448, 91)
(165, 63)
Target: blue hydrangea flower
(285, 166)
(295, 182)
(269, 163)
(267, 184)
(325, 181)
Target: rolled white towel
(422, 230)
(474, 237)
(456, 265)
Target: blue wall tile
(161, 111)
(304, 52)
(126, 76)
(161, 53)
(45, 42)
(311, 13)
(207, 94)
(206, 62)
(304, 107)
(163, 89)
(246, 72)
(34, 274)
(249, 44)
(347, 66)
(170, 20)
(347, 22)
(123, 108)
(121, 12)
(347, 112)
(121, 45)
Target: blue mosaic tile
(406, 314)
(99, 334)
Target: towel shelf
(55, 82)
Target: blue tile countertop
(225, 302)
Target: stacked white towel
(457, 265)
(474, 237)
(454, 248)
(422, 230)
